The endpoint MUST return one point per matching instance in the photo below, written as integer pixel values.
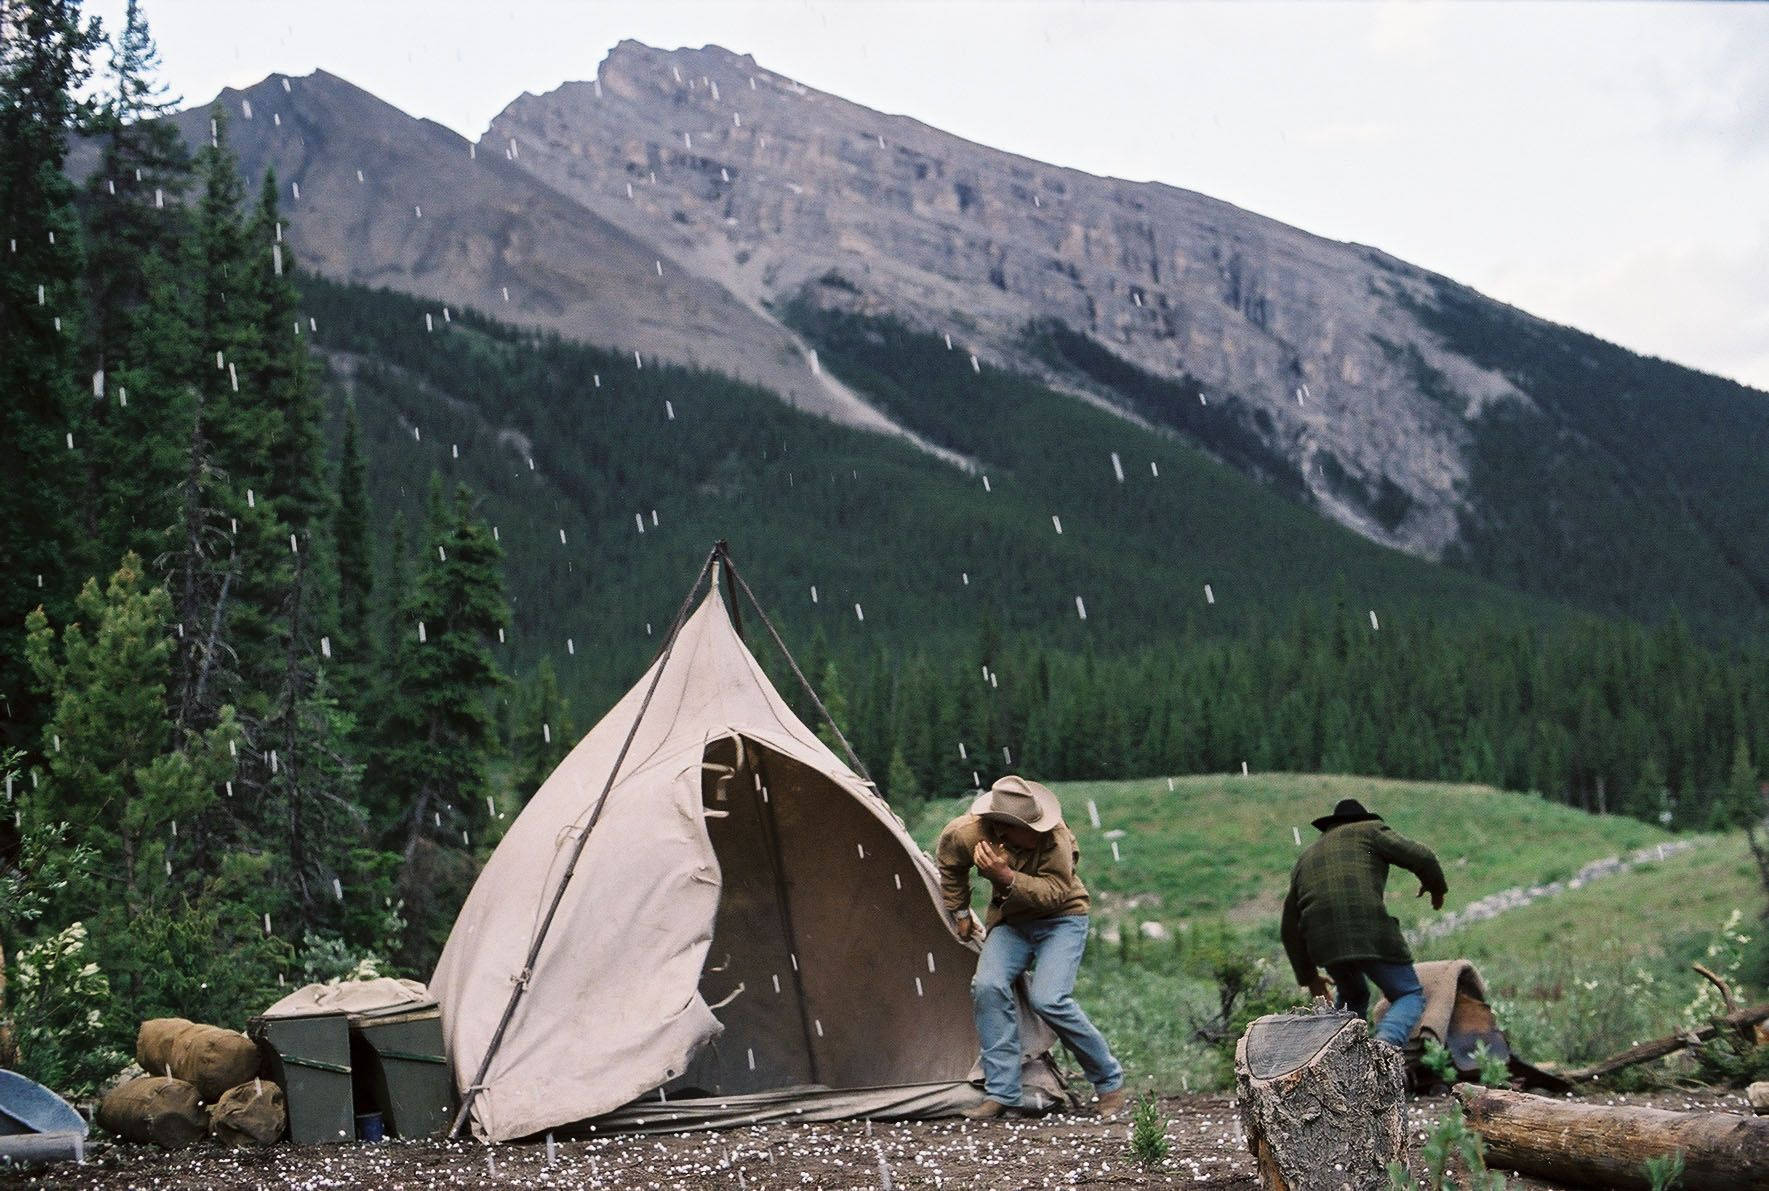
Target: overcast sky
(1603, 165)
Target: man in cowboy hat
(1335, 918)
(1015, 836)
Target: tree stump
(1608, 1145)
(1323, 1103)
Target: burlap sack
(252, 1114)
(156, 1109)
(153, 1043)
(214, 1059)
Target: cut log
(1740, 1022)
(1600, 1145)
(1323, 1103)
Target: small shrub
(1451, 1142)
(60, 998)
(1495, 1071)
(1664, 1172)
(1436, 1059)
(1148, 1131)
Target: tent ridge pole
(473, 1089)
(800, 675)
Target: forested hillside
(1311, 650)
(1634, 485)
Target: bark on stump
(1600, 1145)
(1323, 1103)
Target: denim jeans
(1398, 982)
(1052, 948)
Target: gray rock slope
(670, 206)
(763, 185)
(377, 197)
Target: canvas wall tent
(749, 932)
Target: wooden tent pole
(540, 937)
(799, 674)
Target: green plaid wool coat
(1334, 912)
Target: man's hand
(966, 925)
(1436, 898)
(992, 862)
(1318, 987)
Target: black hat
(1349, 810)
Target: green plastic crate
(399, 1056)
(310, 1057)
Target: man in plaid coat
(1335, 918)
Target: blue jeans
(1052, 948)
(1398, 982)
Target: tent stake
(472, 1090)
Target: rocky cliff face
(764, 186)
(377, 197)
(674, 204)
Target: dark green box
(398, 1054)
(310, 1057)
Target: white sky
(1603, 165)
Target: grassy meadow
(1574, 976)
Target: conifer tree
(350, 535)
(437, 735)
(283, 381)
(544, 730)
(116, 770)
(133, 199)
(44, 58)
(833, 692)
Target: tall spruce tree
(134, 196)
(350, 536)
(544, 729)
(137, 348)
(44, 58)
(284, 380)
(429, 763)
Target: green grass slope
(1222, 845)
(1576, 976)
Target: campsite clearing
(1203, 1130)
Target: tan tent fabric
(351, 996)
(738, 864)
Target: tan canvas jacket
(1046, 886)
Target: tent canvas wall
(749, 932)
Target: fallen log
(1739, 1022)
(1598, 1145)
(1323, 1103)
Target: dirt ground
(1059, 1151)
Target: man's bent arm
(1415, 857)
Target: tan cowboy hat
(1014, 799)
